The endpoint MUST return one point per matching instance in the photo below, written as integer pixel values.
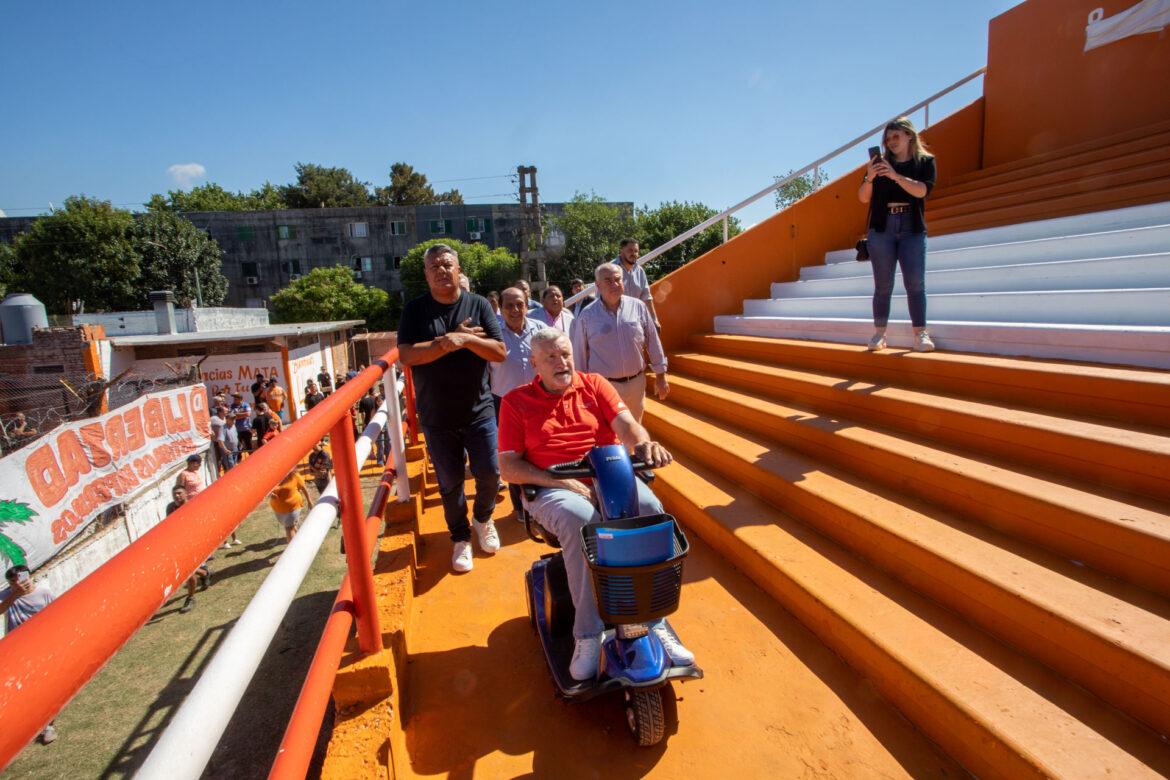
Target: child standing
(285, 500)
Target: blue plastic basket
(640, 592)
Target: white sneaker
(586, 659)
(679, 655)
(878, 342)
(485, 533)
(461, 559)
(922, 342)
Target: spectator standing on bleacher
(576, 286)
(609, 338)
(448, 337)
(325, 381)
(896, 185)
(554, 314)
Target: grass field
(111, 725)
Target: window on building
(478, 225)
(250, 269)
(291, 267)
(245, 233)
(389, 262)
(440, 227)
(397, 262)
(367, 264)
(398, 228)
(286, 231)
(358, 229)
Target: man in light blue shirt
(609, 338)
(517, 368)
(634, 279)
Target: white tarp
(53, 488)
(1147, 16)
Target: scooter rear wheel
(644, 716)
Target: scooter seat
(536, 531)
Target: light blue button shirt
(516, 369)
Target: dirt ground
(111, 725)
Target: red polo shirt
(547, 429)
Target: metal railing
(51, 657)
(813, 166)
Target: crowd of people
(507, 386)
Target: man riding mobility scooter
(636, 565)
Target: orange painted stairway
(1126, 169)
(986, 539)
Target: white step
(1114, 243)
(1137, 271)
(1115, 219)
(1117, 345)
(1146, 306)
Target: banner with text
(53, 488)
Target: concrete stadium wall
(1044, 92)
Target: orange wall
(774, 250)
(1044, 92)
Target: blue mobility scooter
(636, 565)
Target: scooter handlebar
(581, 469)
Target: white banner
(54, 487)
(305, 363)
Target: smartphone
(875, 151)
(23, 578)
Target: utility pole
(531, 231)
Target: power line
(473, 178)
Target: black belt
(629, 378)
(899, 209)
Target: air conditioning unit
(293, 277)
(251, 280)
(475, 235)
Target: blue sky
(641, 101)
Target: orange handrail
(300, 737)
(411, 415)
(48, 659)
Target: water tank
(19, 314)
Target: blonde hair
(918, 150)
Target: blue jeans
(564, 513)
(446, 447)
(897, 246)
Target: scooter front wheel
(644, 716)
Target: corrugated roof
(237, 334)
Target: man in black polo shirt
(447, 337)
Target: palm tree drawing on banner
(13, 513)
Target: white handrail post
(816, 177)
(725, 228)
(926, 121)
(394, 423)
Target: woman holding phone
(895, 186)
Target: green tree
(212, 197)
(798, 187)
(486, 269)
(175, 255)
(592, 230)
(671, 219)
(333, 294)
(80, 253)
(410, 188)
(317, 186)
